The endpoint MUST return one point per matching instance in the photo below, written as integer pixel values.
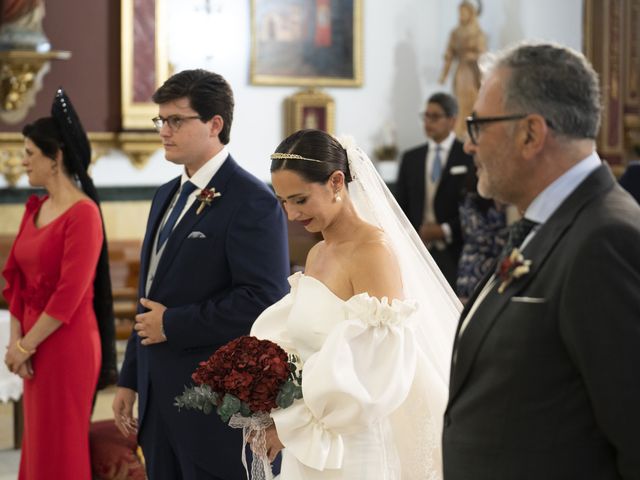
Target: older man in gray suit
(545, 380)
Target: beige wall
(123, 220)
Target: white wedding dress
(365, 411)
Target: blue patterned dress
(484, 231)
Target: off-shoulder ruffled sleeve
(11, 272)
(362, 373)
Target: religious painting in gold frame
(144, 60)
(309, 109)
(306, 42)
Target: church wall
(403, 44)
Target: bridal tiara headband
(292, 156)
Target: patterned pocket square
(197, 235)
(529, 299)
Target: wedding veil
(417, 424)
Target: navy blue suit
(214, 287)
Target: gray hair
(556, 82)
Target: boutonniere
(512, 267)
(206, 197)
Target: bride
(372, 320)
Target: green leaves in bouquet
(291, 389)
(230, 405)
(198, 398)
(206, 400)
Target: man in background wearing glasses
(545, 380)
(213, 258)
(432, 182)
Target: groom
(213, 258)
(545, 380)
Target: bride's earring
(336, 196)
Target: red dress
(51, 269)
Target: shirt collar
(552, 197)
(445, 144)
(205, 173)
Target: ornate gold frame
(310, 100)
(302, 80)
(137, 115)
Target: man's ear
(217, 123)
(533, 134)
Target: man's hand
(123, 410)
(430, 232)
(149, 324)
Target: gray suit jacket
(546, 378)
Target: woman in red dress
(57, 257)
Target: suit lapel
(538, 251)
(191, 219)
(420, 181)
(158, 207)
(453, 159)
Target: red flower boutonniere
(512, 267)
(205, 197)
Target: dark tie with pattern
(167, 228)
(517, 233)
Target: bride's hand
(274, 445)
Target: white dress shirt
(429, 215)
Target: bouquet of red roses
(244, 380)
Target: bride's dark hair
(320, 153)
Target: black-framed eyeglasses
(174, 121)
(473, 123)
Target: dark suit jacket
(546, 378)
(411, 186)
(213, 288)
(630, 181)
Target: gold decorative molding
(137, 146)
(18, 72)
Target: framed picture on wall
(309, 109)
(306, 42)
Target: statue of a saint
(466, 43)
